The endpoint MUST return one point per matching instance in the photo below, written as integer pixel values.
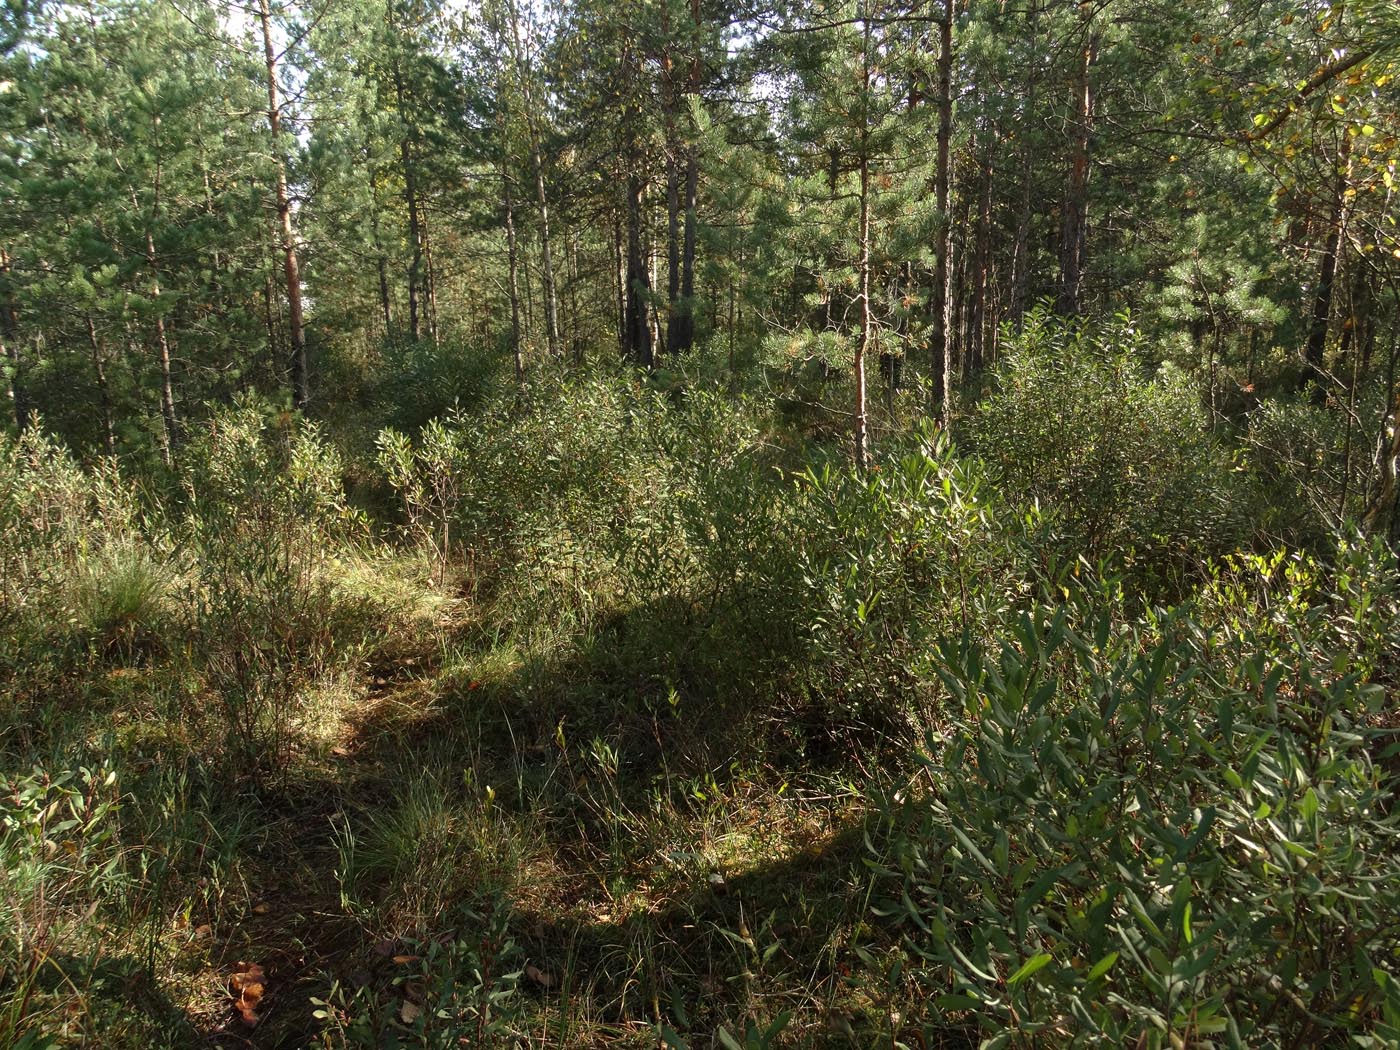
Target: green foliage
(264, 503)
(457, 989)
(892, 561)
(122, 597)
(1313, 466)
(62, 861)
(54, 516)
(1117, 459)
(1158, 831)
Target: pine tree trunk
(429, 277)
(1020, 260)
(685, 319)
(862, 436)
(942, 305)
(1313, 357)
(551, 301)
(290, 265)
(637, 343)
(415, 233)
(513, 266)
(977, 329)
(620, 282)
(1074, 233)
(9, 345)
(104, 392)
(672, 148)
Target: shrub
(52, 515)
(1316, 471)
(1119, 460)
(1133, 838)
(264, 507)
(891, 561)
(121, 596)
(61, 861)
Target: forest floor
(428, 790)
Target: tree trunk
(637, 343)
(415, 232)
(1075, 226)
(673, 180)
(429, 276)
(167, 386)
(104, 392)
(1379, 518)
(685, 319)
(942, 305)
(290, 266)
(637, 340)
(1020, 260)
(862, 436)
(977, 327)
(620, 282)
(513, 265)
(1313, 370)
(9, 344)
(551, 301)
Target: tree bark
(167, 386)
(104, 391)
(673, 181)
(862, 436)
(977, 325)
(9, 344)
(551, 301)
(513, 266)
(1075, 226)
(1020, 260)
(637, 342)
(291, 267)
(410, 196)
(685, 319)
(1316, 347)
(942, 304)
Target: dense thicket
(686, 523)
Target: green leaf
(1102, 966)
(1031, 966)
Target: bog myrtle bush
(1167, 830)
(264, 509)
(1119, 458)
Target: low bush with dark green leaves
(1117, 455)
(1162, 830)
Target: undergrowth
(622, 715)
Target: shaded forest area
(687, 524)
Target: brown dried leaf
(404, 959)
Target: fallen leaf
(247, 980)
(403, 959)
(261, 908)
